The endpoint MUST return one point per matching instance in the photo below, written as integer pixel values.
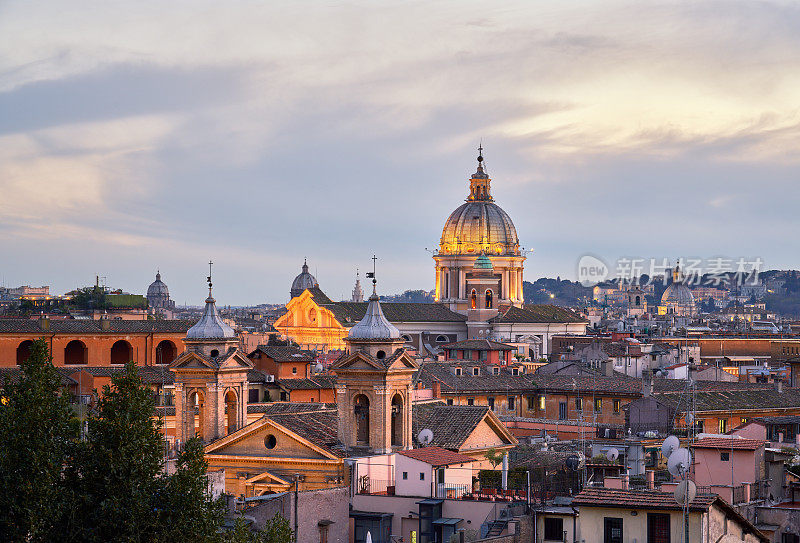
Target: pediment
(236, 361)
(191, 360)
(252, 441)
(359, 361)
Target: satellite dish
(679, 462)
(685, 492)
(425, 437)
(612, 454)
(573, 462)
(670, 445)
(689, 419)
(318, 368)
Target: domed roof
(479, 224)
(303, 281)
(374, 325)
(157, 288)
(677, 294)
(210, 325)
(483, 263)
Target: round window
(270, 441)
(380, 355)
(214, 353)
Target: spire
(158, 275)
(210, 325)
(305, 265)
(374, 325)
(208, 280)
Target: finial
(480, 152)
(208, 279)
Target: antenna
(425, 437)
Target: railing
(367, 485)
(452, 491)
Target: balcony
(382, 487)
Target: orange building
(288, 362)
(90, 343)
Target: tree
(187, 512)
(38, 432)
(276, 530)
(115, 474)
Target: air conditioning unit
(270, 378)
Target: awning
(447, 521)
(430, 501)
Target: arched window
(121, 352)
(361, 410)
(638, 300)
(166, 352)
(489, 297)
(232, 411)
(473, 299)
(196, 406)
(442, 339)
(75, 353)
(406, 338)
(397, 421)
(24, 351)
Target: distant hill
(561, 292)
(410, 296)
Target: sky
(137, 136)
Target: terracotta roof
(13, 375)
(478, 345)
(92, 327)
(537, 313)
(148, 374)
(727, 400)
(639, 499)
(437, 456)
(728, 443)
(319, 427)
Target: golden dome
(479, 224)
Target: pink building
(728, 462)
(483, 350)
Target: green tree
(276, 530)
(38, 432)
(115, 475)
(186, 509)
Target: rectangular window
(449, 401)
(514, 371)
(598, 405)
(531, 402)
(511, 403)
(553, 529)
(483, 355)
(458, 371)
(453, 354)
(421, 475)
(405, 476)
(440, 476)
(744, 420)
(470, 401)
(541, 403)
(658, 528)
(612, 530)
(476, 371)
(468, 354)
(617, 405)
(496, 371)
(722, 426)
(562, 410)
(323, 534)
(294, 370)
(725, 457)
(491, 403)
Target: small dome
(374, 325)
(157, 288)
(303, 281)
(483, 263)
(210, 325)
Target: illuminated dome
(479, 224)
(678, 298)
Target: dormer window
(476, 371)
(457, 372)
(514, 371)
(496, 371)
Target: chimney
(105, 322)
(44, 323)
(780, 387)
(437, 389)
(625, 480)
(608, 368)
(647, 383)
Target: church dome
(479, 224)
(303, 281)
(157, 289)
(677, 294)
(210, 325)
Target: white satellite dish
(612, 454)
(318, 368)
(425, 437)
(679, 462)
(670, 445)
(685, 492)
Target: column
(504, 285)
(520, 295)
(462, 279)
(438, 295)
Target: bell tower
(373, 385)
(210, 379)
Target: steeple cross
(374, 260)
(208, 279)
